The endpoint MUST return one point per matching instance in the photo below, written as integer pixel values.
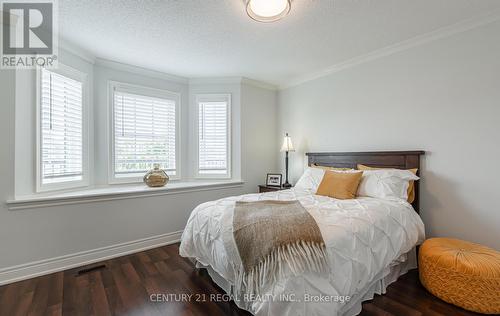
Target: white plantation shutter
(61, 127)
(213, 138)
(144, 134)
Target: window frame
(148, 92)
(81, 77)
(213, 97)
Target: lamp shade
(287, 144)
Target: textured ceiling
(206, 38)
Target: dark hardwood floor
(124, 287)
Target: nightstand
(267, 188)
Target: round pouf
(461, 273)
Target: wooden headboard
(382, 159)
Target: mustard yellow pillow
(330, 168)
(340, 185)
(411, 184)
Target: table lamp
(286, 147)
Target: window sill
(116, 193)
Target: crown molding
(92, 59)
(259, 84)
(419, 40)
(232, 80)
(77, 51)
(214, 80)
(140, 71)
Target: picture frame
(274, 179)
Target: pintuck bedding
(368, 241)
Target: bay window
(62, 147)
(213, 136)
(144, 132)
(140, 128)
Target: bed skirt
(378, 285)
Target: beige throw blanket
(272, 234)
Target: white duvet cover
(364, 238)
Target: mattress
(367, 240)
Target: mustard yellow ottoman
(461, 273)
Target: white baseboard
(47, 266)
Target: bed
(369, 243)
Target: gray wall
(442, 97)
(260, 147)
(7, 109)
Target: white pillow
(310, 179)
(386, 183)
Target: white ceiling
(207, 38)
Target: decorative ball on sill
(156, 177)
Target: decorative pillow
(386, 183)
(411, 184)
(310, 179)
(340, 185)
(331, 168)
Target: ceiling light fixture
(268, 10)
